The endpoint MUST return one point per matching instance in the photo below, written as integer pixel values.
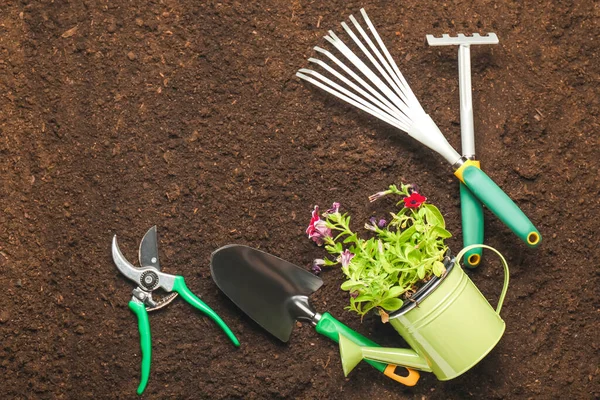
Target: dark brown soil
(116, 115)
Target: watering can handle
(504, 264)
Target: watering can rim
(427, 289)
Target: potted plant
(403, 270)
(400, 256)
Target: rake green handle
(145, 342)
(180, 287)
(471, 211)
(332, 328)
(499, 203)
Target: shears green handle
(486, 190)
(181, 288)
(145, 342)
(144, 326)
(332, 328)
(471, 211)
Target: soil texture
(118, 115)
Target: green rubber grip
(501, 205)
(332, 328)
(471, 211)
(180, 287)
(145, 342)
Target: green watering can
(450, 328)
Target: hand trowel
(274, 293)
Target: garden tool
(274, 293)
(471, 207)
(394, 102)
(148, 278)
(449, 327)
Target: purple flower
(380, 224)
(335, 208)
(413, 188)
(373, 225)
(316, 265)
(345, 258)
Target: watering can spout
(352, 354)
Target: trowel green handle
(471, 211)
(145, 342)
(499, 203)
(332, 328)
(180, 287)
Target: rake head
(462, 39)
(375, 85)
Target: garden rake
(471, 209)
(394, 102)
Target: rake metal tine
(373, 111)
(345, 91)
(392, 111)
(374, 62)
(355, 60)
(362, 82)
(413, 101)
(397, 85)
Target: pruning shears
(148, 278)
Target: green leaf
(365, 297)
(338, 248)
(438, 268)
(415, 257)
(391, 304)
(351, 239)
(396, 291)
(438, 231)
(405, 236)
(434, 216)
(421, 271)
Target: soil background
(117, 115)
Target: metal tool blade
(126, 268)
(148, 253)
(271, 291)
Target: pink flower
(335, 208)
(314, 219)
(414, 200)
(317, 229)
(345, 258)
(378, 195)
(372, 226)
